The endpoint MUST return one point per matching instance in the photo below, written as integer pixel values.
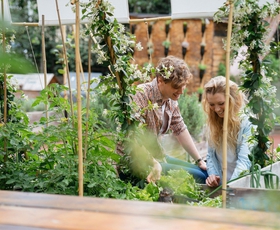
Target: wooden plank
(71, 219)
(254, 199)
(137, 209)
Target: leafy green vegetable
(182, 183)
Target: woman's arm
(243, 162)
(186, 141)
(211, 162)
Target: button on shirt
(154, 118)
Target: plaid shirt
(153, 118)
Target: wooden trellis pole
(5, 78)
(79, 104)
(225, 124)
(65, 61)
(88, 97)
(44, 62)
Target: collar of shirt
(156, 93)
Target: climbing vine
(249, 32)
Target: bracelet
(198, 160)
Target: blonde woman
(238, 130)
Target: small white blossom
(117, 67)
(145, 77)
(137, 115)
(25, 97)
(155, 106)
(105, 112)
(253, 44)
(246, 33)
(139, 47)
(148, 67)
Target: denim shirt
(242, 151)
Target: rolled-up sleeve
(243, 162)
(177, 122)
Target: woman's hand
(202, 165)
(213, 181)
(154, 175)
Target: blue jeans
(173, 163)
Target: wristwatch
(198, 160)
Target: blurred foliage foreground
(46, 161)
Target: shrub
(192, 114)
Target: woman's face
(217, 103)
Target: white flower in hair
(165, 71)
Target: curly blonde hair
(180, 73)
(215, 123)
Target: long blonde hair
(215, 123)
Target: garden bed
(245, 182)
(240, 195)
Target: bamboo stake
(44, 62)
(224, 182)
(130, 21)
(88, 93)
(149, 19)
(81, 66)
(25, 24)
(77, 63)
(5, 79)
(65, 62)
(65, 81)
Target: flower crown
(165, 71)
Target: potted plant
(150, 29)
(202, 67)
(200, 92)
(150, 48)
(133, 28)
(202, 49)
(185, 46)
(203, 26)
(204, 23)
(166, 45)
(185, 28)
(167, 26)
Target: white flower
(117, 67)
(148, 67)
(167, 74)
(145, 77)
(105, 112)
(137, 115)
(165, 71)
(246, 33)
(139, 47)
(118, 129)
(155, 106)
(25, 97)
(253, 44)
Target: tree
(155, 6)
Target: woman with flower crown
(172, 76)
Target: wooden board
(19, 210)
